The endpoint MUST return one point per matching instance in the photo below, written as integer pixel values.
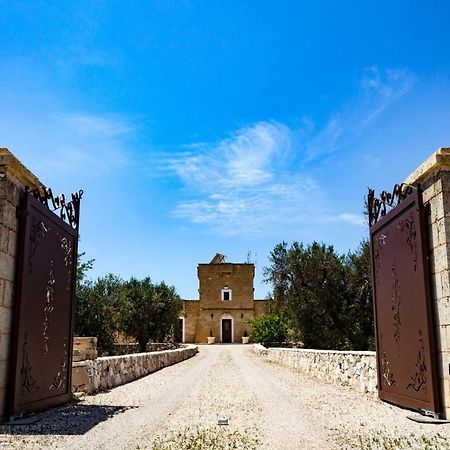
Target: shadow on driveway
(71, 419)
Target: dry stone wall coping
(259, 349)
(309, 351)
(440, 159)
(106, 372)
(10, 164)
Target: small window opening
(226, 294)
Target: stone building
(226, 302)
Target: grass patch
(217, 438)
(383, 441)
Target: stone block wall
(13, 179)
(84, 348)
(357, 370)
(190, 314)
(205, 316)
(211, 320)
(260, 307)
(434, 178)
(260, 349)
(104, 373)
(237, 277)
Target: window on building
(226, 295)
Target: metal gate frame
(402, 199)
(44, 204)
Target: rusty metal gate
(41, 358)
(403, 317)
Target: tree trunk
(142, 345)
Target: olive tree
(99, 308)
(325, 298)
(151, 312)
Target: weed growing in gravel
(381, 441)
(209, 439)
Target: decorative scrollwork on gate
(28, 381)
(408, 227)
(396, 300)
(386, 373)
(378, 207)
(66, 247)
(378, 244)
(419, 379)
(42, 336)
(59, 379)
(69, 211)
(49, 307)
(39, 229)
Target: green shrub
(269, 329)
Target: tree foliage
(82, 268)
(269, 329)
(109, 306)
(326, 297)
(99, 309)
(152, 311)
(360, 310)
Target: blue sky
(197, 127)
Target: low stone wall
(354, 369)
(104, 373)
(260, 349)
(84, 348)
(130, 348)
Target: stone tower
(226, 302)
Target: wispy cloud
(349, 218)
(96, 126)
(255, 181)
(248, 158)
(97, 142)
(378, 90)
(242, 184)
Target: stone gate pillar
(14, 176)
(434, 178)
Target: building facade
(226, 303)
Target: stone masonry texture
(357, 370)
(104, 373)
(433, 176)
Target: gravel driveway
(268, 407)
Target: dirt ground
(267, 407)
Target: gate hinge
(20, 212)
(426, 412)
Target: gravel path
(268, 407)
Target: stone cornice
(439, 160)
(228, 308)
(9, 164)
